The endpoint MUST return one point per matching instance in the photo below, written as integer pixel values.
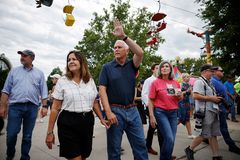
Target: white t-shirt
(76, 97)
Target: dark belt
(23, 103)
(122, 106)
(78, 113)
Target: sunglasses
(220, 70)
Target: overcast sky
(23, 26)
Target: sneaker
(217, 158)
(9, 158)
(174, 157)
(235, 120)
(234, 150)
(191, 136)
(189, 153)
(152, 151)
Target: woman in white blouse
(74, 99)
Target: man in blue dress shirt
(222, 91)
(21, 94)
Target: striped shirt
(76, 97)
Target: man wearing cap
(206, 102)
(24, 87)
(222, 91)
(55, 78)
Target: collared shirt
(220, 89)
(204, 88)
(230, 87)
(146, 88)
(75, 97)
(24, 85)
(120, 81)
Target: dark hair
(84, 71)
(170, 76)
(153, 66)
(229, 76)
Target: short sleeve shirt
(158, 93)
(119, 81)
(202, 88)
(237, 87)
(76, 97)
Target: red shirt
(160, 95)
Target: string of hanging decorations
(157, 24)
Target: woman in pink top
(164, 95)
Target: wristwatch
(125, 38)
(51, 132)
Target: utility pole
(207, 45)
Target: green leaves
(98, 41)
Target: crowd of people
(161, 98)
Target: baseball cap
(57, 76)
(206, 67)
(27, 52)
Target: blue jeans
(129, 121)
(20, 114)
(232, 110)
(167, 126)
(224, 130)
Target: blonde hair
(185, 75)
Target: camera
(199, 115)
(198, 126)
(224, 102)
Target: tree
(56, 70)
(98, 41)
(192, 65)
(222, 17)
(3, 77)
(5, 67)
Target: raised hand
(118, 29)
